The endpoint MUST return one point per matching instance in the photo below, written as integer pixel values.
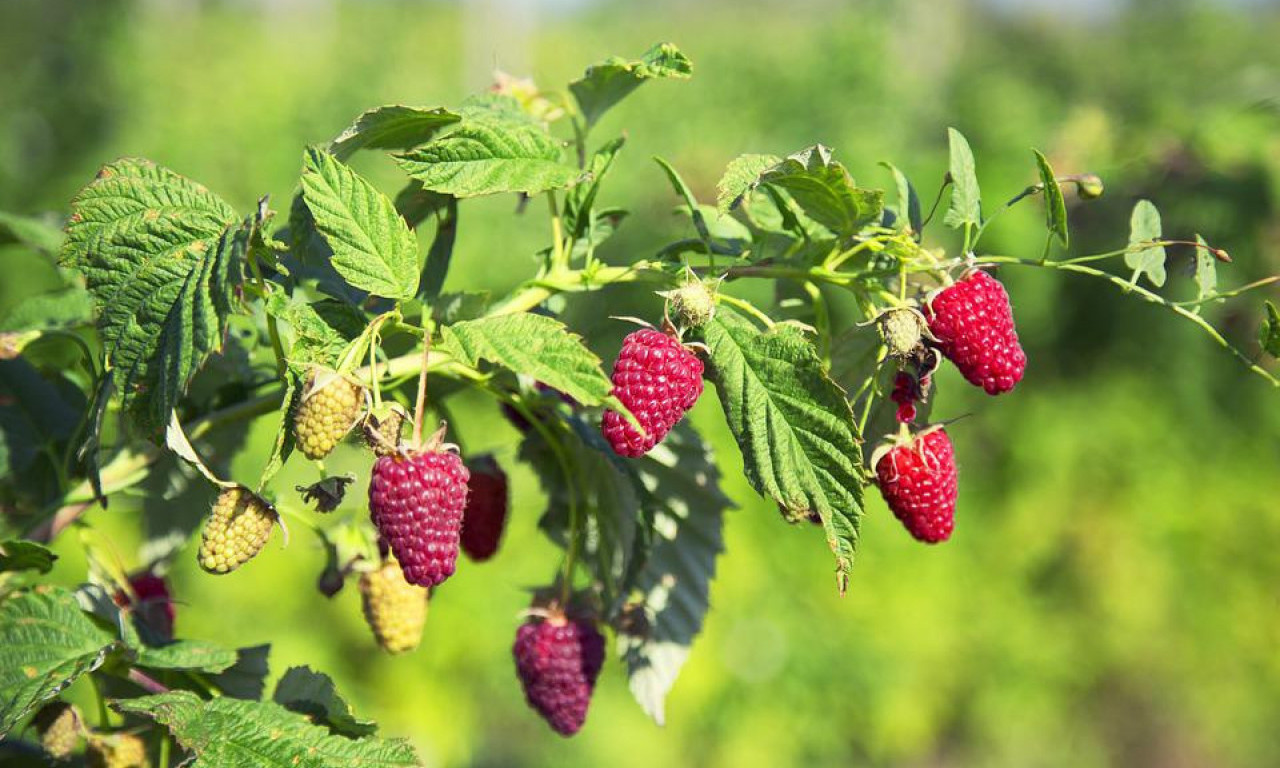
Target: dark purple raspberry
(486, 513)
(149, 597)
(917, 477)
(416, 502)
(658, 379)
(973, 323)
(558, 661)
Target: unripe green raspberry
(237, 529)
(382, 429)
(330, 406)
(395, 609)
(60, 729)
(694, 303)
(1089, 186)
(902, 330)
(117, 750)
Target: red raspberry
(973, 323)
(558, 661)
(918, 480)
(416, 502)
(154, 605)
(658, 379)
(486, 513)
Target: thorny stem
(1150, 296)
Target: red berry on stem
(558, 660)
(658, 379)
(917, 478)
(485, 516)
(973, 322)
(416, 502)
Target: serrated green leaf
(682, 479)
(450, 308)
(1144, 227)
(34, 232)
(488, 155)
(908, 200)
(1055, 208)
(191, 655)
(823, 189)
(799, 443)
(19, 555)
(162, 261)
(246, 679)
(535, 345)
(607, 493)
(46, 644)
(393, 126)
(966, 198)
(1206, 269)
(579, 202)
(416, 204)
(1269, 334)
(320, 331)
(605, 84)
(313, 694)
(62, 309)
(372, 246)
(740, 177)
(231, 733)
(686, 194)
(34, 413)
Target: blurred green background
(1112, 592)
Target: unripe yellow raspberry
(902, 330)
(60, 729)
(382, 429)
(118, 750)
(395, 609)
(330, 407)
(237, 529)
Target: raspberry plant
(181, 315)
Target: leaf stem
(747, 307)
(1229, 294)
(277, 348)
(420, 405)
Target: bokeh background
(1112, 594)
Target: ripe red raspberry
(149, 597)
(658, 379)
(416, 502)
(973, 323)
(486, 513)
(558, 660)
(917, 478)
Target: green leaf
(488, 155)
(686, 194)
(35, 413)
(605, 84)
(1143, 257)
(163, 264)
(1055, 208)
(46, 644)
(19, 555)
(436, 266)
(823, 189)
(537, 346)
(740, 177)
(35, 233)
(313, 694)
(46, 311)
(191, 655)
(1269, 334)
(1206, 269)
(966, 198)
(795, 429)
(373, 248)
(416, 204)
(579, 202)
(320, 331)
(681, 476)
(231, 733)
(246, 679)
(908, 200)
(393, 126)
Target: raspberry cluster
(236, 530)
(918, 480)
(972, 321)
(395, 610)
(658, 379)
(330, 407)
(558, 660)
(486, 514)
(416, 502)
